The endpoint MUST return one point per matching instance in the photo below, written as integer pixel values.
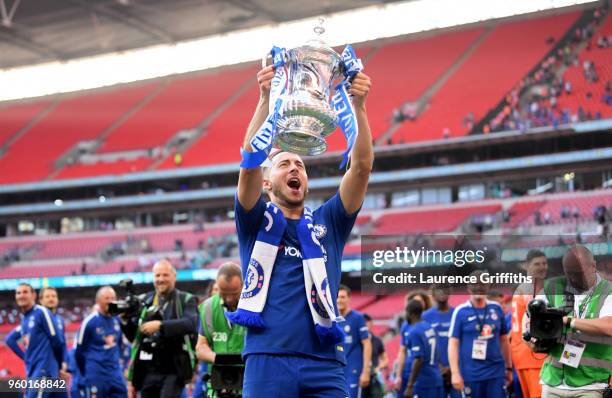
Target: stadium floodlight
(375, 22)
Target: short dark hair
(229, 270)
(28, 285)
(367, 317)
(494, 294)
(534, 253)
(345, 288)
(414, 307)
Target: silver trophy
(308, 117)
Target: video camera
(227, 376)
(130, 306)
(546, 325)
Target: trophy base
(301, 135)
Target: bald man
(163, 335)
(581, 365)
(98, 350)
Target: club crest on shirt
(31, 323)
(254, 280)
(320, 231)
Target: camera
(152, 342)
(546, 325)
(227, 376)
(130, 306)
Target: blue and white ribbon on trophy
(263, 140)
(342, 103)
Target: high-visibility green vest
(222, 336)
(596, 362)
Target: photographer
(162, 353)
(580, 364)
(216, 334)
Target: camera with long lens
(153, 342)
(546, 325)
(227, 376)
(130, 305)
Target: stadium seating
(13, 118)
(519, 211)
(499, 62)
(602, 58)
(183, 104)
(428, 221)
(103, 168)
(223, 138)
(83, 117)
(393, 68)
(586, 205)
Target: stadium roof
(35, 31)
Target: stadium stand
(439, 220)
(504, 57)
(182, 104)
(14, 118)
(83, 117)
(588, 94)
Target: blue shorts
(109, 387)
(492, 388)
(292, 376)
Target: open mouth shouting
(294, 185)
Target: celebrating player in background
(98, 350)
(357, 345)
(478, 349)
(527, 363)
(439, 317)
(294, 337)
(44, 344)
(49, 298)
(425, 379)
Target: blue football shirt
(440, 321)
(289, 326)
(465, 324)
(99, 347)
(355, 330)
(422, 343)
(404, 339)
(44, 343)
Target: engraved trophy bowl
(308, 117)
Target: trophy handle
(264, 60)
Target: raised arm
(250, 181)
(355, 181)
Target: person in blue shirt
(357, 345)
(38, 332)
(77, 390)
(478, 348)
(439, 318)
(289, 345)
(98, 350)
(425, 379)
(403, 372)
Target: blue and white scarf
(263, 140)
(257, 280)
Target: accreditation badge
(572, 352)
(479, 349)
